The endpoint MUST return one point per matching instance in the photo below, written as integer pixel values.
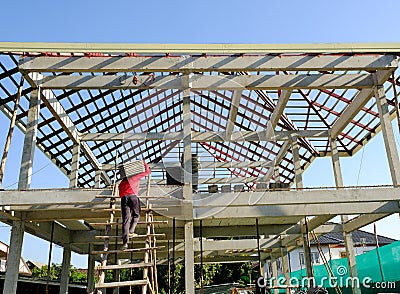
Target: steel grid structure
(255, 114)
(104, 111)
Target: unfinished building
(227, 129)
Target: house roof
(359, 238)
(35, 263)
(159, 110)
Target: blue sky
(201, 22)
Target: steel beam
(207, 63)
(227, 211)
(313, 224)
(278, 158)
(300, 197)
(362, 220)
(212, 82)
(240, 230)
(39, 199)
(278, 111)
(230, 123)
(58, 111)
(357, 104)
(264, 135)
(203, 164)
(388, 134)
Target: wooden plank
(139, 223)
(127, 250)
(123, 266)
(121, 284)
(138, 236)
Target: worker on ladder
(130, 203)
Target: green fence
(378, 272)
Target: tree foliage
(76, 276)
(213, 274)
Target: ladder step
(119, 209)
(119, 223)
(122, 284)
(138, 236)
(140, 197)
(127, 250)
(122, 266)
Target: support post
(73, 176)
(49, 258)
(260, 271)
(388, 135)
(173, 255)
(91, 265)
(66, 262)
(187, 189)
(348, 236)
(286, 268)
(97, 179)
(169, 269)
(274, 266)
(298, 172)
(29, 141)
(10, 131)
(303, 223)
(14, 257)
(17, 232)
(201, 259)
(189, 258)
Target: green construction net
(378, 272)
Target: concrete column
(348, 238)
(388, 135)
(65, 269)
(73, 176)
(29, 141)
(274, 266)
(298, 172)
(91, 265)
(189, 258)
(286, 267)
(299, 185)
(187, 190)
(97, 179)
(14, 257)
(187, 146)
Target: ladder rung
(127, 250)
(138, 236)
(140, 197)
(155, 209)
(120, 223)
(122, 284)
(119, 209)
(122, 266)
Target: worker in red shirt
(130, 204)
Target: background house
(332, 246)
(23, 267)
